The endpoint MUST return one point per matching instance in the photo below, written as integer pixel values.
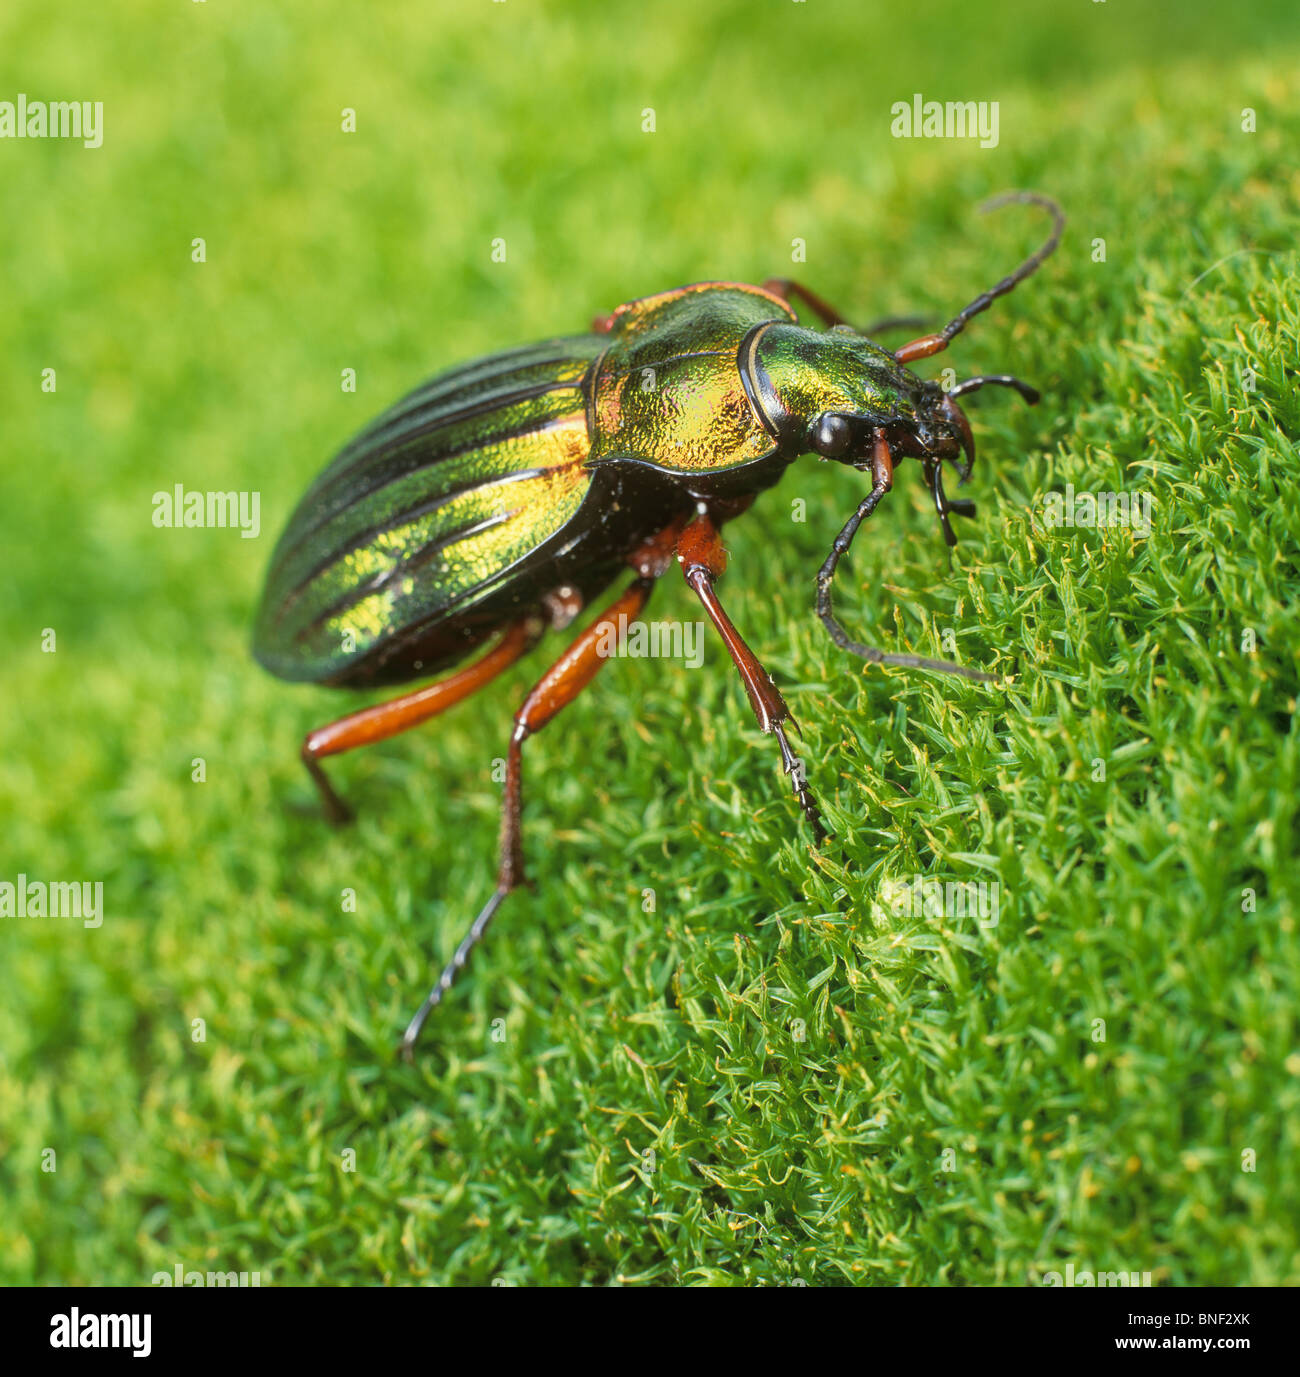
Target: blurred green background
(648, 1114)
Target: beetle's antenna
(933, 344)
(1030, 394)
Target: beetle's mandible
(500, 498)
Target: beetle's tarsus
(337, 813)
(881, 657)
(452, 969)
(793, 766)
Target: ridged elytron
(500, 498)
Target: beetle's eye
(831, 435)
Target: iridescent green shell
(669, 391)
(429, 509)
(798, 374)
(471, 499)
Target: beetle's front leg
(882, 480)
(701, 554)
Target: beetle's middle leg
(703, 558)
(556, 689)
(786, 287)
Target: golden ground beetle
(500, 498)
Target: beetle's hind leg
(702, 557)
(378, 723)
(786, 287)
(556, 689)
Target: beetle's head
(843, 397)
(835, 393)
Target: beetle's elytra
(501, 497)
